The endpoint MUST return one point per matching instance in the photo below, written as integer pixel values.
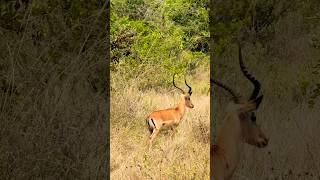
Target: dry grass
(293, 128)
(293, 152)
(52, 120)
(184, 156)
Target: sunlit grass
(183, 156)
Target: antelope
(239, 128)
(169, 117)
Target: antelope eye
(253, 118)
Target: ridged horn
(190, 89)
(245, 72)
(233, 94)
(176, 86)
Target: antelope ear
(258, 100)
(251, 105)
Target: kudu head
(244, 110)
(185, 95)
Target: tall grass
(182, 156)
(284, 68)
(52, 119)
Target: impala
(239, 127)
(169, 117)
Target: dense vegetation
(52, 89)
(170, 36)
(52, 85)
(261, 23)
(280, 42)
(150, 41)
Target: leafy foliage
(264, 26)
(165, 36)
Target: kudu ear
(258, 100)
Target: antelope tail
(150, 124)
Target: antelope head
(244, 111)
(185, 96)
(251, 133)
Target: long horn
(176, 86)
(233, 94)
(190, 89)
(249, 76)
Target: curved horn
(190, 89)
(249, 76)
(233, 94)
(176, 86)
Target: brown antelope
(169, 117)
(239, 127)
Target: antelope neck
(181, 107)
(230, 140)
